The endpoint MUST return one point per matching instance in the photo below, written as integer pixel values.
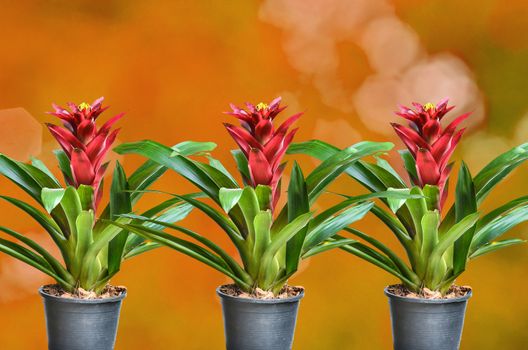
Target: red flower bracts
(84, 143)
(263, 145)
(430, 144)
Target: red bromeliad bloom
(263, 145)
(84, 143)
(430, 144)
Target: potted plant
(82, 309)
(260, 309)
(427, 308)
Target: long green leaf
(498, 227)
(53, 263)
(49, 225)
(120, 203)
(498, 169)
(334, 165)
(19, 253)
(184, 247)
(465, 204)
(327, 245)
(165, 156)
(298, 204)
(333, 225)
(233, 265)
(494, 246)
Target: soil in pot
(453, 292)
(109, 292)
(286, 292)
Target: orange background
(173, 67)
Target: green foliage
(437, 248)
(92, 248)
(270, 244)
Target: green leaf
(394, 225)
(298, 204)
(230, 262)
(395, 202)
(188, 148)
(493, 246)
(51, 261)
(264, 196)
(183, 166)
(498, 227)
(14, 172)
(417, 208)
(334, 165)
(465, 204)
(382, 163)
(24, 255)
(366, 254)
(215, 163)
(100, 242)
(242, 165)
(398, 263)
(249, 206)
(430, 222)
(37, 163)
(498, 169)
(314, 148)
(185, 247)
(390, 194)
(71, 204)
(222, 221)
(262, 224)
(269, 270)
(174, 214)
(42, 178)
(503, 209)
(327, 245)
(84, 225)
(142, 248)
(279, 239)
(51, 197)
(410, 165)
(45, 222)
(449, 238)
(388, 178)
(86, 196)
(229, 197)
(64, 165)
(333, 225)
(120, 203)
(432, 196)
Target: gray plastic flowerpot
(256, 324)
(81, 324)
(427, 324)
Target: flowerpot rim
(427, 301)
(81, 301)
(259, 301)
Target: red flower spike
(430, 145)
(84, 143)
(263, 145)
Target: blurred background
(173, 67)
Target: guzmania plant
(270, 240)
(91, 248)
(438, 242)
